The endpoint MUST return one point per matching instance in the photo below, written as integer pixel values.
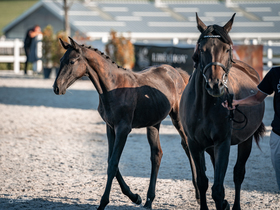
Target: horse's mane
(216, 30)
(103, 55)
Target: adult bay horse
(126, 100)
(207, 124)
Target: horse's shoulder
(247, 69)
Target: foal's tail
(259, 133)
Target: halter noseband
(226, 69)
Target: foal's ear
(200, 25)
(74, 44)
(227, 27)
(65, 45)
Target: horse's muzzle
(57, 91)
(215, 89)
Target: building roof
(148, 20)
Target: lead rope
(229, 98)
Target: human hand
(226, 105)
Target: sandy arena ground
(53, 155)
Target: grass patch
(11, 9)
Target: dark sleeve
(266, 85)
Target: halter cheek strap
(226, 69)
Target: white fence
(16, 58)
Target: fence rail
(17, 44)
(16, 58)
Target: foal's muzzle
(58, 91)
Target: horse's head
(213, 55)
(72, 67)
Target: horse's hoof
(226, 205)
(139, 200)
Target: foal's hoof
(148, 204)
(138, 200)
(226, 205)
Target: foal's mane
(102, 54)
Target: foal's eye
(72, 62)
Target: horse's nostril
(56, 90)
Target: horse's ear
(65, 45)
(200, 25)
(227, 27)
(74, 44)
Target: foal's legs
(244, 150)
(124, 187)
(121, 132)
(156, 154)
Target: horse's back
(164, 76)
(247, 69)
(244, 81)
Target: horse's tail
(259, 133)
(185, 75)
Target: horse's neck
(103, 74)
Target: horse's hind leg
(135, 198)
(156, 154)
(244, 150)
(184, 142)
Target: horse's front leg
(221, 154)
(121, 132)
(200, 178)
(135, 198)
(156, 155)
(244, 150)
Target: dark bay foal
(126, 100)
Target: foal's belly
(145, 116)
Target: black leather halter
(225, 68)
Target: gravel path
(53, 155)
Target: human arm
(35, 32)
(248, 101)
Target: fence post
(16, 56)
(39, 52)
(269, 55)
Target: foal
(126, 100)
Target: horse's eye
(72, 62)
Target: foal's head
(73, 66)
(213, 55)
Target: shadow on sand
(74, 99)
